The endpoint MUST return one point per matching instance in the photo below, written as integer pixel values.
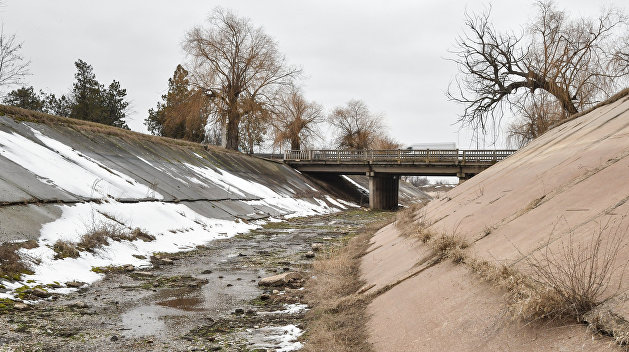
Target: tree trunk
(295, 143)
(233, 137)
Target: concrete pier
(383, 191)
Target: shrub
(11, 264)
(579, 274)
(65, 249)
(425, 235)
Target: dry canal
(205, 299)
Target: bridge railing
(399, 155)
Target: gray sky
(391, 54)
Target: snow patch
(283, 338)
(334, 202)
(175, 227)
(356, 184)
(70, 170)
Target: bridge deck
(402, 162)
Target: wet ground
(206, 299)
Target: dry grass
(20, 114)
(449, 247)
(579, 274)
(98, 236)
(564, 283)
(336, 323)
(411, 220)
(11, 264)
(425, 235)
(407, 216)
(65, 249)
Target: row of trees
(289, 120)
(88, 99)
(237, 90)
(556, 67)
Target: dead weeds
(98, 236)
(12, 265)
(336, 322)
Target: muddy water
(207, 299)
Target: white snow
(355, 183)
(163, 170)
(293, 207)
(309, 186)
(70, 170)
(349, 204)
(291, 309)
(283, 338)
(232, 183)
(175, 226)
(334, 202)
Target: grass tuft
(576, 274)
(65, 249)
(12, 265)
(336, 322)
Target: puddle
(150, 319)
(144, 320)
(188, 304)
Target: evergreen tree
(114, 105)
(86, 92)
(61, 106)
(183, 111)
(26, 98)
(89, 99)
(92, 102)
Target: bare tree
(536, 116)
(233, 62)
(13, 66)
(254, 125)
(384, 141)
(356, 126)
(571, 60)
(296, 119)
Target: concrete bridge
(384, 167)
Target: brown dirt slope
(560, 191)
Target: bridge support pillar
(383, 191)
(464, 177)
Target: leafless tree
(384, 141)
(296, 119)
(13, 66)
(574, 61)
(356, 126)
(536, 116)
(233, 62)
(254, 124)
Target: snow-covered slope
(60, 181)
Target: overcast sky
(391, 54)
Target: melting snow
(70, 170)
(281, 338)
(356, 184)
(175, 227)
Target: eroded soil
(207, 299)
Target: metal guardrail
(399, 155)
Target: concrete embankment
(63, 178)
(567, 190)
